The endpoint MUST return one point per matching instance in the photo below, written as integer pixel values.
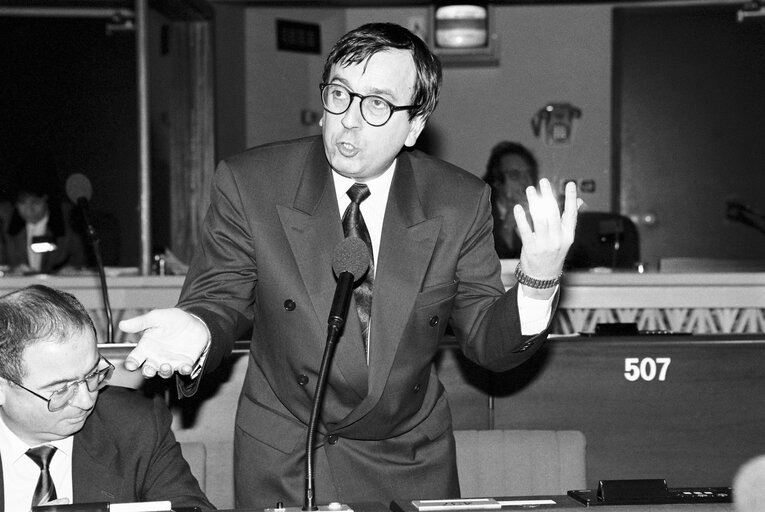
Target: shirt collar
(15, 448)
(378, 187)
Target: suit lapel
(92, 457)
(406, 246)
(313, 229)
(408, 240)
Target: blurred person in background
(510, 170)
(39, 212)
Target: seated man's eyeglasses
(375, 110)
(95, 381)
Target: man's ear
(3, 390)
(415, 128)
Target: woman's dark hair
(494, 176)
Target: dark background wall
(68, 104)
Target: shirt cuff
(534, 313)
(197, 369)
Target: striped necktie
(45, 490)
(354, 225)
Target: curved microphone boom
(350, 262)
(79, 190)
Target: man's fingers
(524, 230)
(135, 324)
(166, 371)
(135, 358)
(571, 207)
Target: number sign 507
(647, 369)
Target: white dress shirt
(35, 229)
(20, 473)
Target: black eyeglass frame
(361, 97)
(106, 372)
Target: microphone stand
(95, 241)
(334, 328)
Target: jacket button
(332, 439)
(433, 321)
(416, 388)
(289, 304)
(302, 380)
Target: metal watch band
(533, 282)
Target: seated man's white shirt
(39, 228)
(20, 473)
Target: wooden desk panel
(694, 428)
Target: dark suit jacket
(126, 452)
(265, 262)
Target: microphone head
(78, 187)
(351, 255)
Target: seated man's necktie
(354, 225)
(45, 490)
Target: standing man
(265, 263)
(63, 437)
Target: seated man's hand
(172, 340)
(546, 243)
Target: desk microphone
(350, 261)
(79, 190)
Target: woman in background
(510, 170)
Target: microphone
(749, 486)
(737, 211)
(79, 190)
(350, 262)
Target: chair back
(496, 463)
(604, 239)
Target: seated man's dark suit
(126, 452)
(265, 262)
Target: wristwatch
(533, 282)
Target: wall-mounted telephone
(557, 120)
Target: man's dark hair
(359, 44)
(32, 314)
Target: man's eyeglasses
(60, 398)
(375, 110)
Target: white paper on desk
(526, 503)
(146, 506)
(456, 504)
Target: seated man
(64, 437)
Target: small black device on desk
(649, 491)
(627, 329)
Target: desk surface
(562, 504)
